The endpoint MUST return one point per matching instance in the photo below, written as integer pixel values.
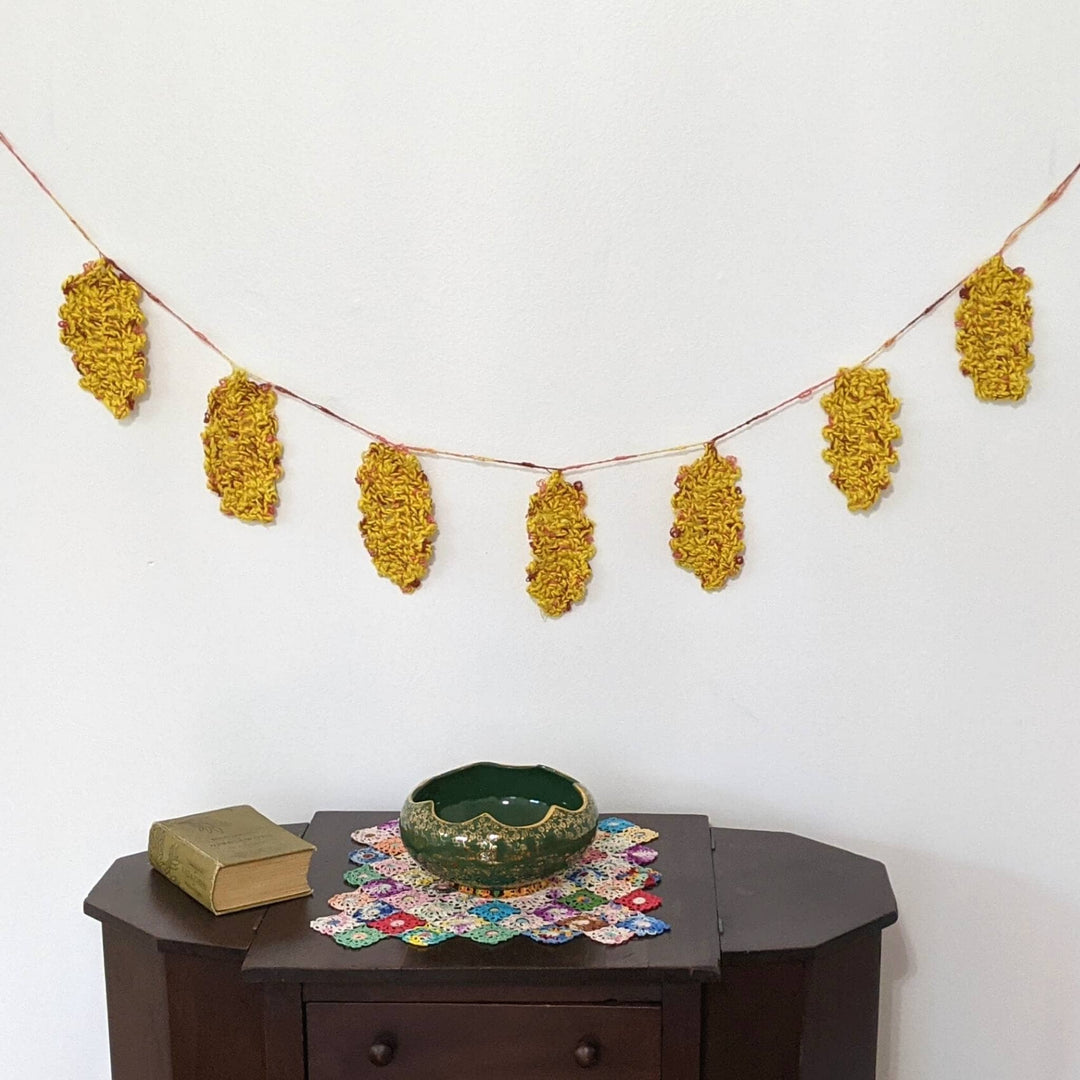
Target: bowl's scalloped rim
(551, 811)
(586, 798)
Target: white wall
(559, 231)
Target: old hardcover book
(231, 859)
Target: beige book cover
(231, 859)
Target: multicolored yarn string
(993, 331)
(707, 536)
(398, 525)
(101, 323)
(603, 896)
(241, 449)
(561, 538)
(860, 433)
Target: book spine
(184, 864)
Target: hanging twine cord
(430, 451)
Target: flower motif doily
(602, 896)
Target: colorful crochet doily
(603, 896)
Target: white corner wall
(558, 231)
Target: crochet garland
(101, 322)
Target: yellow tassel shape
(993, 331)
(398, 525)
(561, 538)
(101, 323)
(241, 449)
(860, 433)
(707, 536)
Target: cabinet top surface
(285, 947)
(775, 892)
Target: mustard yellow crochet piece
(860, 434)
(561, 538)
(241, 449)
(993, 331)
(707, 536)
(101, 323)
(398, 525)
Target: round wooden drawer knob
(587, 1054)
(381, 1053)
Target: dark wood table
(259, 996)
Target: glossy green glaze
(496, 827)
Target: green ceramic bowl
(498, 827)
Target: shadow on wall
(896, 969)
(980, 975)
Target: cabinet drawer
(482, 1042)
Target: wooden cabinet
(791, 995)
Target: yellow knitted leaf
(398, 525)
(707, 535)
(860, 434)
(241, 450)
(993, 331)
(561, 538)
(101, 323)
